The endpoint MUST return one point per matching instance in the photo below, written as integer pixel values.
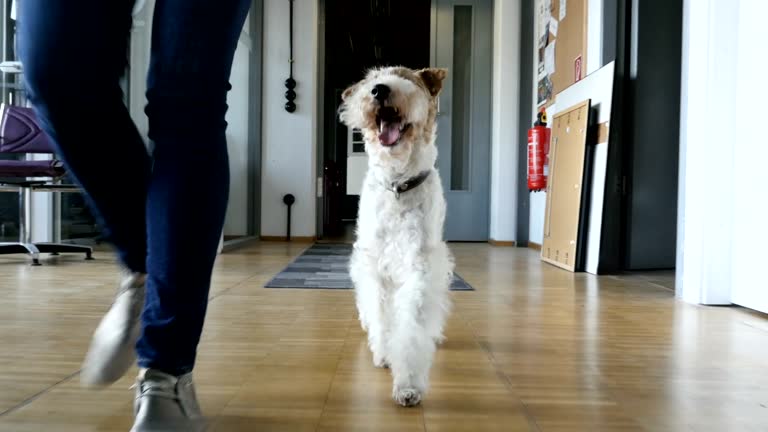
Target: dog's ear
(433, 79)
(348, 92)
(343, 111)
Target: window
(462, 101)
(356, 142)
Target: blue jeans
(163, 212)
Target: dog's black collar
(409, 184)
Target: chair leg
(19, 248)
(57, 248)
(25, 244)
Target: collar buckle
(409, 184)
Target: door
(461, 42)
(652, 118)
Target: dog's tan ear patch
(433, 79)
(348, 92)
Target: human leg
(193, 46)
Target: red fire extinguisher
(538, 154)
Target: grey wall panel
(526, 102)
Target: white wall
(538, 200)
(721, 234)
(505, 127)
(288, 145)
(750, 205)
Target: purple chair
(20, 133)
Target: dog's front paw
(407, 397)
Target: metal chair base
(35, 249)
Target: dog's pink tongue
(389, 133)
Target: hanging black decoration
(290, 83)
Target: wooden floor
(534, 348)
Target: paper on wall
(563, 8)
(542, 23)
(549, 58)
(545, 90)
(553, 26)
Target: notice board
(566, 190)
(562, 45)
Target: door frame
(320, 121)
(255, 114)
(254, 41)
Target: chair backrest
(20, 131)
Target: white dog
(401, 267)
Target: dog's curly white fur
(400, 265)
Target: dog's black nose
(381, 92)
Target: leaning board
(598, 88)
(565, 187)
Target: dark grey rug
(324, 266)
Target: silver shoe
(112, 350)
(166, 403)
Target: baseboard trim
(293, 239)
(499, 243)
(235, 244)
(534, 246)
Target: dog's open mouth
(391, 126)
